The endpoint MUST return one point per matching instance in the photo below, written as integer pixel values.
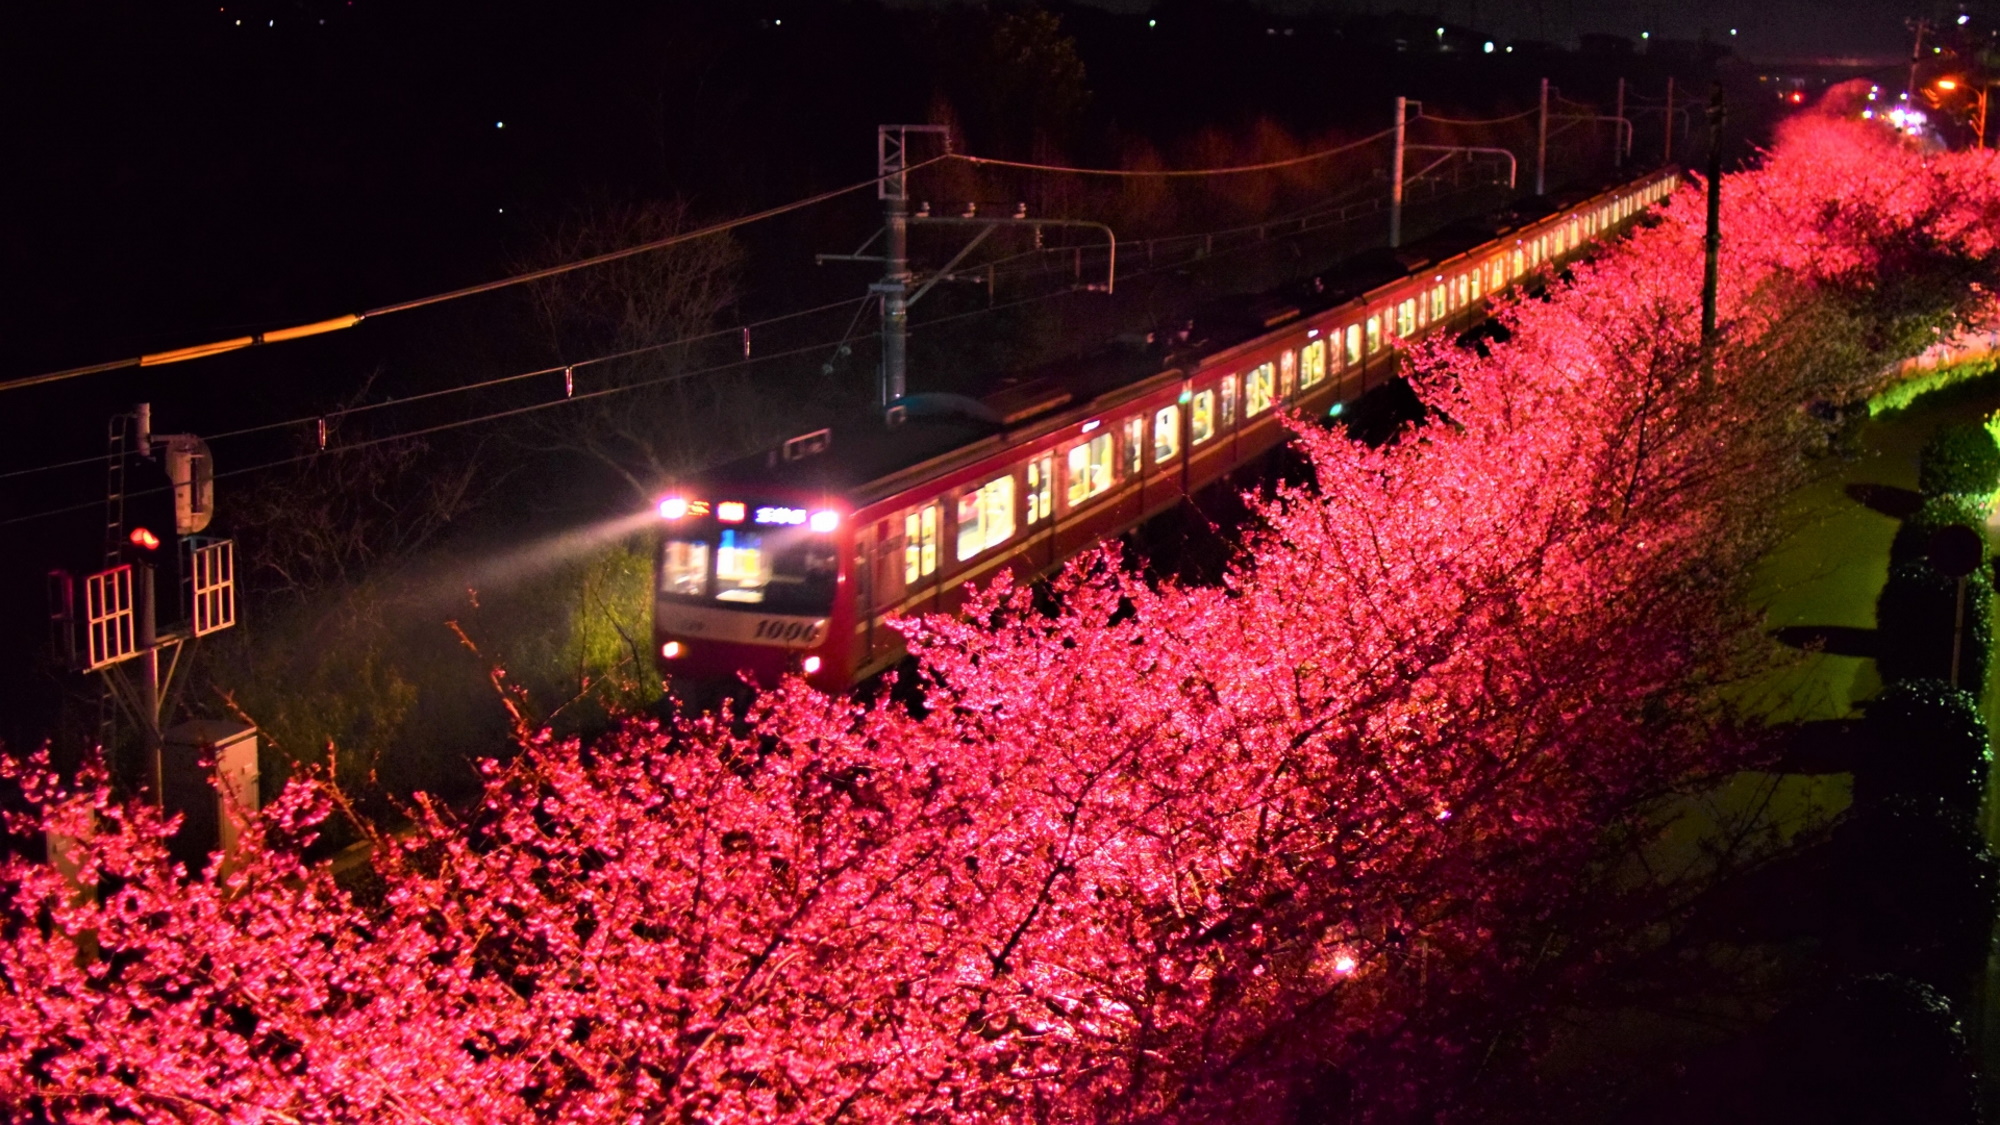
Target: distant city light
(1963, 19)
(1732, 31)
(1510, 48)
(1645, 35)
(1489, 46)
(1152, 23)
(1440, 33)
(499, 124)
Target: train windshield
(774, 570)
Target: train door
(922, 533)
(1164, 470)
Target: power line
(480, 385)
(1169, 172)
(1425, 116)
(441, 427)
(349, 320)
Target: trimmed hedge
(1925, 740)
(1913, 538)
(1916, 889)
(1878, 1048)
(1961, 460)
(1913, 626)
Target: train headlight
(670, 650)
(824, 522)
(673, 508)
(812, 665)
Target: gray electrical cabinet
(213, 800)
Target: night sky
(1769, 28)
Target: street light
(1985, 88)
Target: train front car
(751, 585)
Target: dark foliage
(1873, 1049)
(1913, 892)
(1935, 511)
(1924, 739)
(1961, 459)
(1913, 626)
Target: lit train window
(986, 516)
(1472, 285)
(1135, 437)
(1353, 344)
(742, 566)
(1201, 417)
(1437, 303)
(1312, 364)
(1041, 488)
(1374, 333)
(1406, 318)
(1089, 468)
(1228, 401)
(1288, 372)
(920, 544)
(1520, 262)
(684, 568)
(1258, 390)
(1166, 434)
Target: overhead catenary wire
(1425, 116)
(482, 384)
(332, 324)
(349, 320)
(1233, 170)
(531, 276)
(425, 431)
(570, 398)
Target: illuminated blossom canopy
(1168, 853)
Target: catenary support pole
(1542, 144)
(1668, 156)
(1620, 143)
(1396, 177)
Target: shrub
(1913, 538)
(1876, 1048)
(1925, 739)
(1913, 626)
(1915, 891)
(1961, 460)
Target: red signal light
(142, 538)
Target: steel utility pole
(1712, 245)
(1396, 176)
(1916, 56)
(891, 163)
(1618, 145)
(1542, 144)
(1668, 156)
(899, 288)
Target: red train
(796, 559)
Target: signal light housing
(144, 539)
(670, 650)
(824, 521)
(812, 665)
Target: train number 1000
(783, 631)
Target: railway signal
(160, 494)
